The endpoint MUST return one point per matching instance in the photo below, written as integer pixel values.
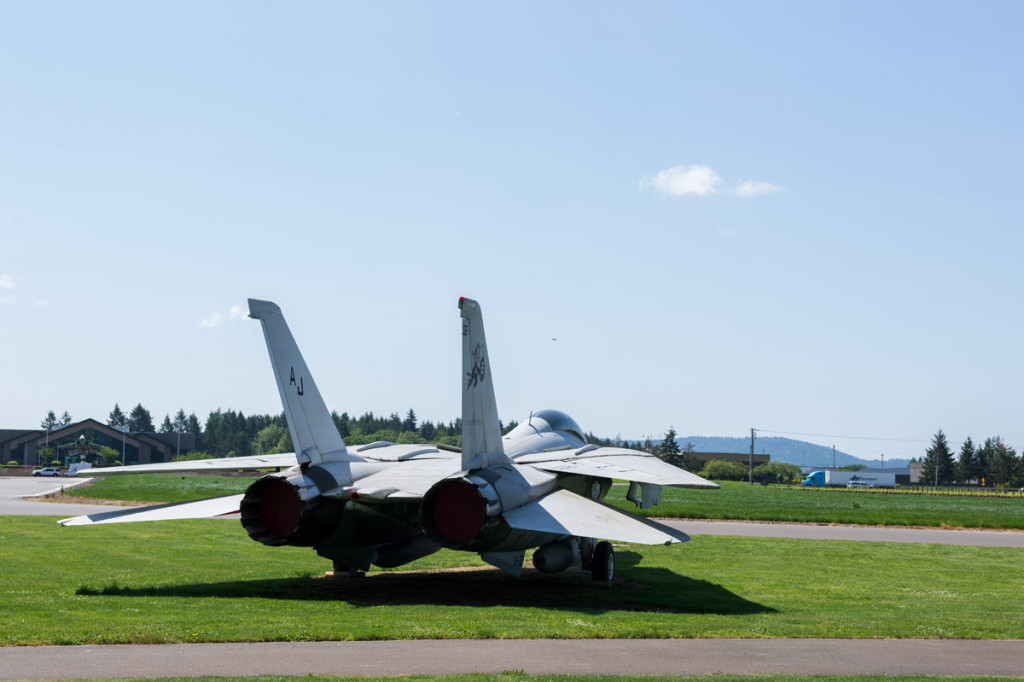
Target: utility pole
(833, 456)
(751, 471)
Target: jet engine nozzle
(288, 511)
(465, 510)
(456, 511)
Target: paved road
(808, 531)
(16, 493)
(26, 486)
(437, 657)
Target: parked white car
(48, 471)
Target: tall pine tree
(140, 420)
(967, 468)
(937, 466)
(668, 449)
(985, 457)
(409, 424)
(1005, 463)
(193, 427)
(50, 421)
(117, 418)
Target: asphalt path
(24, 496)
(440, 657)
(811, 531)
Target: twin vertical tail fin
(481, 430)
(314, 435)
(316, 438)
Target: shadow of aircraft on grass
(637, 589)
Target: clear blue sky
(800, 217)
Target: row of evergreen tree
(992, 464)
(227, 433)
(232, 434)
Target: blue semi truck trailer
(849, 479)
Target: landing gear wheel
(603, 568)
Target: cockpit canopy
(560, 421)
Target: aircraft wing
(214, 507)
(566, 513)
(283, 460)
(629, 465)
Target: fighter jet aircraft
(81, 446)
(539, 487)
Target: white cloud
(217, 319)
(703, 181)
(212, 321)
(680, 182)
(755, 188)
(7, 285)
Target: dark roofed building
(12, 443)
(22, 445)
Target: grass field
(163, 488)
(783, 503)
(733, 501)
(191, 581)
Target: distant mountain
(781, 449)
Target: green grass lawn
(163, 488)
(783, 503)
(205, 580)
(733, 501)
